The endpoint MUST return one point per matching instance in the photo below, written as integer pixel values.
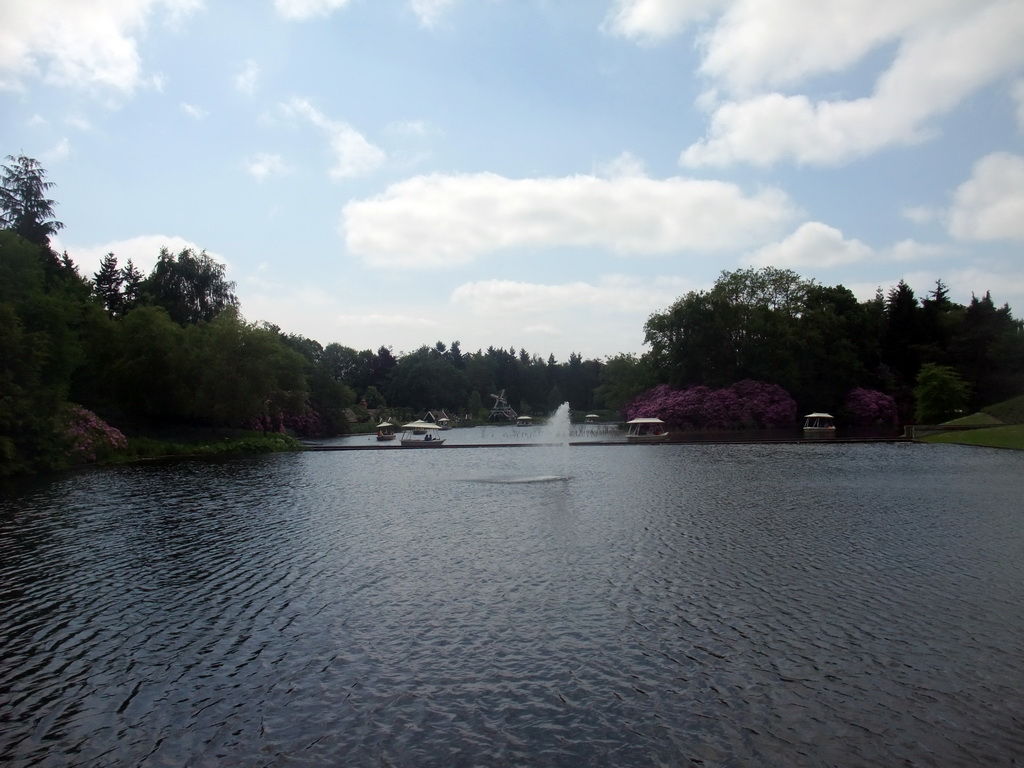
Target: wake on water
(519, 480)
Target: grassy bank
(996, 426)
(1008, 436)
(143, 448)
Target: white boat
(819, 425)
(591, 418)
(646, 430)
(524, 421)
(410, 437)
(385, 431)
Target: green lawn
(1011, 436)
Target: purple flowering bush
(745, 405)
(868, 407)
(88, 437)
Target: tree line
(819, 342)
(172, 347)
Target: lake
(800, 604)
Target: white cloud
(654, 20)
(196, 113)
(778, 43)
(754, 51)
(247, 80)
(990, 205)
(813, 244)
(439, 220)
(1017, 91)
(920, 214)
(430, 11)
(78, 122)
(378, 320)
(264, 165)
(90, 44)
(143, 251)
(57, 152)
(353, 154)
(409, 128)
(912, 250)
(300, 10)
(615, 293)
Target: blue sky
(526, 173)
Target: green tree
(901, 343)
(940, 393)
(152, 371)
(108, 283)
(746, 326)
(43, 305)
(24, 206)
(374, 399)
(623, 378)
(988, 350)
(835, 344)
(244, 373)
(424, 379)
(192, 287)
(131, 286)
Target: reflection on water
(646, 605)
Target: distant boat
(646, 430)
(591, 418)
(819, 425)
(524, 421)
(425, 428)
(385, 431)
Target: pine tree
(108, 284)
(24, 206)
(131, 286)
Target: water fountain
(554, 439)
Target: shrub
(745, 405)
(869, 407)
(89, 438)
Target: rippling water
(602, 605)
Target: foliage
(89, 438)
(623, 378)
(745, 405)
(148, 448)
(241, 371)
(941, 394)
(24, 207)
(192, 287)
(869, 407)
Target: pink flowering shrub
(868, 407)
(745, 405)
(89, 438)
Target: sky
(526, 174)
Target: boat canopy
(646, 420)
(420, 424)
(817, 415)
